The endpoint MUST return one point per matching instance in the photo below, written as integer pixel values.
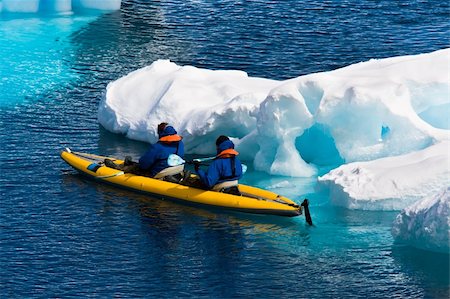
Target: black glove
(196, 165)
(128, 161)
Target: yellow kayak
(253, 200)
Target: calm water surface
(64, 236)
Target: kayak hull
(253, 200)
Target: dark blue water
(64, 236)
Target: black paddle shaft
(305, 205)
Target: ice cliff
(426, 223)
(362, 112)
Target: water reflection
(110, 144)
(426, 268)
(185, 244)
(164, 215)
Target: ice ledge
(425, 224)
(391, 183)
(366, 111)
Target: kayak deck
(253, 200)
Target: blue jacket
(155, 159)
(220, 169)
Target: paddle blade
(203, 159)
(244, 168)
(175, 160)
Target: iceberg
(59, 6)
(362, 112)
(25, 6)
(201, 104)
(97, 4)
(426, 223)
(390, 183)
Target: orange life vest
(227, 153)
(170, 138)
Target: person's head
(165, 130)
(223, 143)
(161, 127)
(221, 139)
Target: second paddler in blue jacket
(226, 166)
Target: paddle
(175, 160)
(203, 159)
(305, 205)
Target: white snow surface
(59, 6)
(363, 112)
(425, 224)
(390, 183)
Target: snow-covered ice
(35, 6)
(362, 112)
(390, 183)
(96, 4)
(201, 104)
(426, 223)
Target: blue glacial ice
(426, 224)
(60, 6)
(362, 112)
(390, 183)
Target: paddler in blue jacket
(225, 170)
(155, 159)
